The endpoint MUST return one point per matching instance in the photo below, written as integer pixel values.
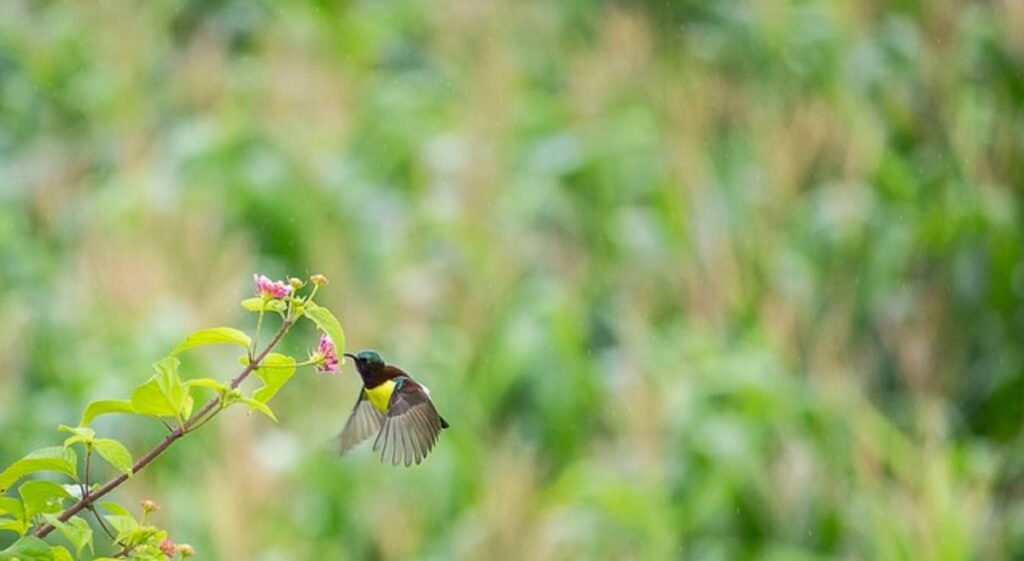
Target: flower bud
(168, 547)
(319, 280)
(296, 283)
(150, 506)
(186, 550)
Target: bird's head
(366, 361)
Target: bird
(395, 407)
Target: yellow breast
(381, 395)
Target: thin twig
(103, 524)
(256, 336)
(85, 492)
(175, 434)
(209, 417)
(84, 484)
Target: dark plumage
(396, 408)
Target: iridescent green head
(366, 361)
(370, 357)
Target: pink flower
(168, 547)
(327, 355)
(270, 289)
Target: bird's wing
(364, 422)
(411, 425)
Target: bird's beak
(350, 355)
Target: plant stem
(85, 492)
(207, 419)
(311, 294)
(88, 499)
(84, 484)
(256, 336)
(103, 524)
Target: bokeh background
(691, 280)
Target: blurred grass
(691, 281)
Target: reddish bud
(150, 506)
(168, 547)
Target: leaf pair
(163, 395)
(115, 453)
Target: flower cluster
(325, 358)
(270, 289)
(326, 355)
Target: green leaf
(186, 410)
(120, 518)
(104, 407)
(28, 548)
(54, 458)
(10, 505)
(42, 497)
(275, 370)
(114, 508)
(255, 405)
(208, 383)
(18, 526)
(14, 507)
(258, 304)
(61, 553)
(143, 535)
(163, 395)
(76, 530)
(325, 320)
(214, 336)
(79, 434)
(115, 453)
(81, 536)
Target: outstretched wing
(364, 422)
(411, 425)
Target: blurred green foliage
(690, 280)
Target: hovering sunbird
(394, 407)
